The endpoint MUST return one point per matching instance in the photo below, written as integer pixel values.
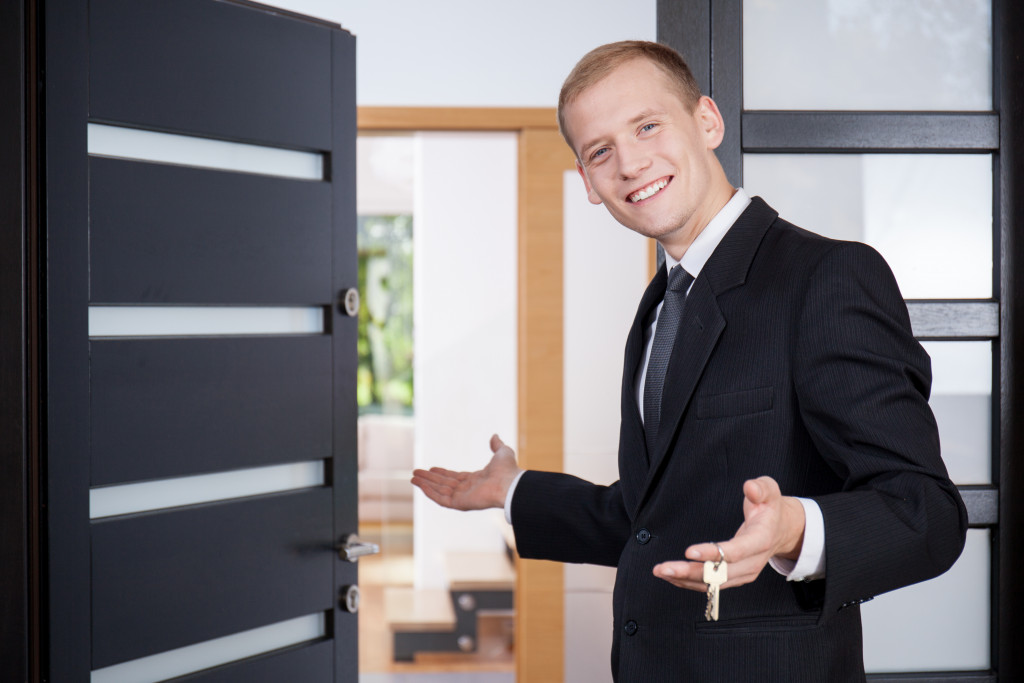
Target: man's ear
(591, 195)
(712, 125)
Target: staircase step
(479, 571)
(411, 609)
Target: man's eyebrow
(646, 113)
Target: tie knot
(678, 279)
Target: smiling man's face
(646, 157)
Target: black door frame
(16, 585)
(709, 34)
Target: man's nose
(633, 161)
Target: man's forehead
(595, 96)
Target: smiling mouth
(649, 191)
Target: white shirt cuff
(508, 496)
(811, 563)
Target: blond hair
(601, 61)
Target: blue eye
(648, 127)
(599, 153)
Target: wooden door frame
(543, 159)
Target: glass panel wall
(937, 625)
(962, 403)
(867, 55)
(929, 215)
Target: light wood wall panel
(543, 159)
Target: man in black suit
(792, 380)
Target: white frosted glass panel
(962, 402)
(175, 321)
(186, 150)
(938, 625)
(212, 653)
(867, 54)
(929, 215)
(107, 501)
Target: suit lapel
(701, 326)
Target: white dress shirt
(811, 563)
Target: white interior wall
(466, 53)
(465, 312)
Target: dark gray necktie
(664, 338)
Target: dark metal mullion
(866, 131)
(686, 28)
(727, 82)
(996, 643)
(1008, 96)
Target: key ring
(721, 556)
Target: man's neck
(699, 251)
(702, 217)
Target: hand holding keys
(715, 574)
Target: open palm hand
(478, 490)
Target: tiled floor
(493, 662)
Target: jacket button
(643, 536)
(631, 627)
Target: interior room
(441, 255)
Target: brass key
(715, 574)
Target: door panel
(173, 407)
(210, 68)
(159, 405)
(163, 580)
(162, 233)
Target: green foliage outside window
(385, 373)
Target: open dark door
(198, 230)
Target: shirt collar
(707, 241)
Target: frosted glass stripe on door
(215, 652)
(188, 150)
(174, 321)
(107, 501)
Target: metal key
(715, 574)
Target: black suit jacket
(794, 359)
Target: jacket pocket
(751, 625)
(735, 403)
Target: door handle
(352, 549)
(350, 302)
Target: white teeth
(648, 191)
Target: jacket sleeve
(862, 384)
(564, 518)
